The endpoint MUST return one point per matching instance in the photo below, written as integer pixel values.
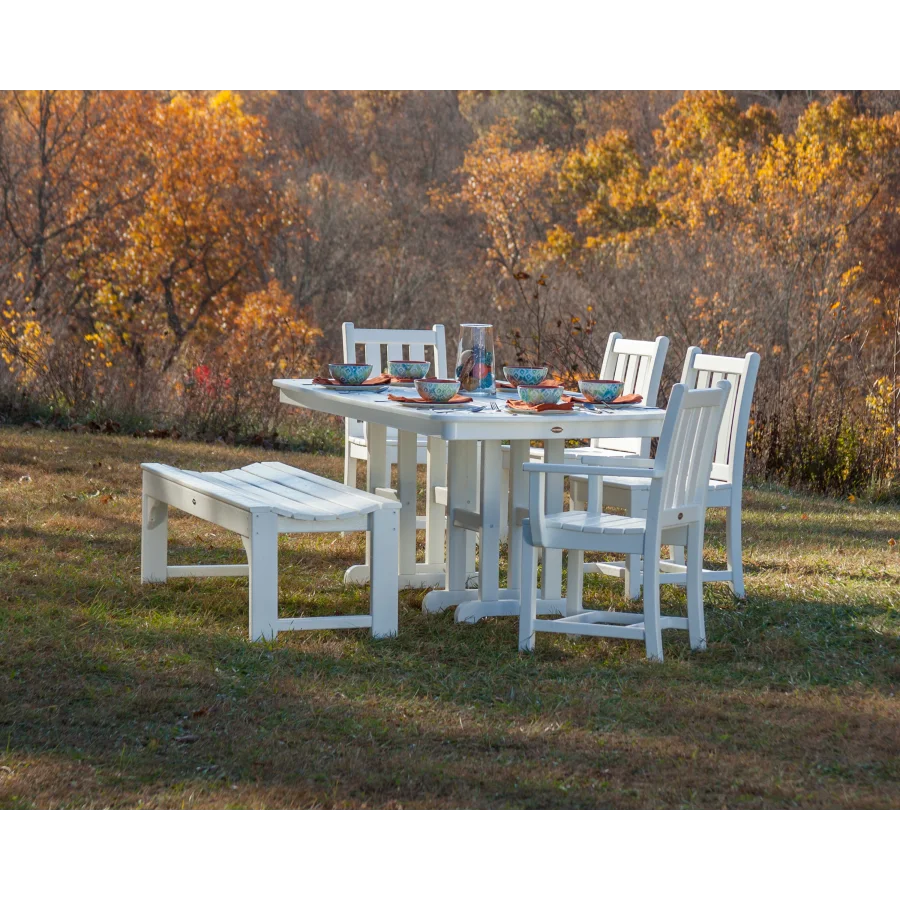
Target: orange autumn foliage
(146, 237)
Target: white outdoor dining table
(471, 501)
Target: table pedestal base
(470, 609)
(426, 575)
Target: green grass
(114, 694)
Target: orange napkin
(375, 379)
(624, 400)
(522, 406)
(457, 399)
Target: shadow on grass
(143, 699)
(117, 694)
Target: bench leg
(262, 555)
(154, 539)
(384, 579)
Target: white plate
(434, 405)
(546, 412)
(353, 387)
(577, 395)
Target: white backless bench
(259, 502)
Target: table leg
(519, 454)
(435, 513)
(412, 574)
(461, 485)
(406, 494)
(488, 599)
(378, 473)
(473, 466)
(489, 535)
(551, 576)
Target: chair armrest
(590, 470)
(628, 462)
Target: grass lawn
(114, 694)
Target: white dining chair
(676, 513)
(639, 364)
(726, 481)
(380, 346)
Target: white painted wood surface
(464, 431)
(676, 507)
(726, 481)
(639, 365)
(259, 502)
(378, 347)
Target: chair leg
(574, 582)
(652, 629)
(383, 577)
(676, 554)
(349, 467)
(154, 539)
(694, 582)
(262, 556)
(632, 576)
(733, 549)
(527, 593)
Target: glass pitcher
(475, 360)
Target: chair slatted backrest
(685, 450)
(703, 370)
(639, 364)
(381, 345)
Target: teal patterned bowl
(537, 395)
(350, 373)
(408, 368)
(525, 375)
(437, 390)
(601, 391)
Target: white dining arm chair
(726, 481)
(676, 512)
(639, 365)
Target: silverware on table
(379, 391)
(460, 408)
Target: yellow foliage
(24, 344)
(507, 187)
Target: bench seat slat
(324, 482)
(315, 485)
(318, 505)
(194, 482)
(291, 509)
(297, 485)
